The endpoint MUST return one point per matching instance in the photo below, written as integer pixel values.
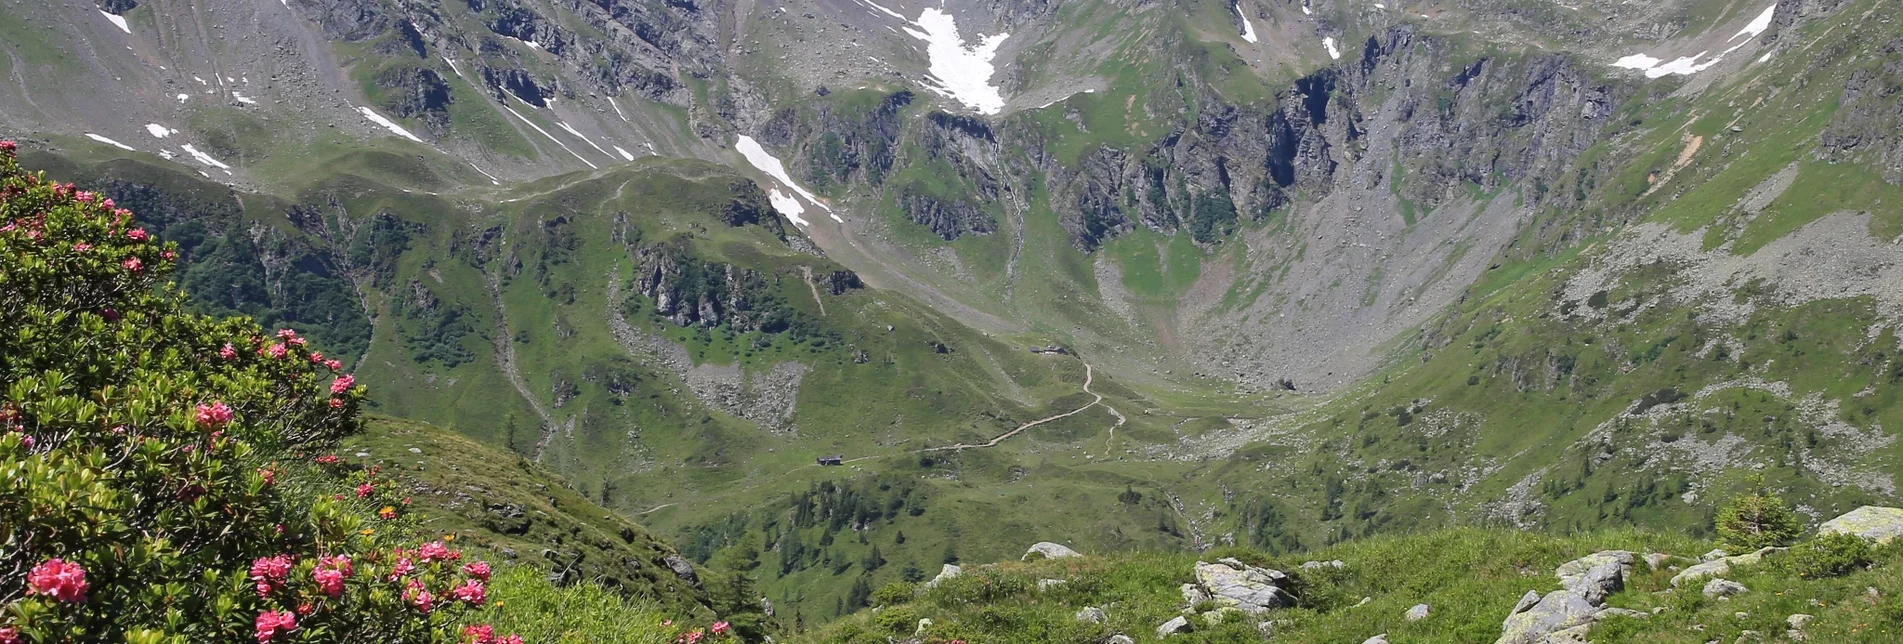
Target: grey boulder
(1417, 613)
(1723, 588)
(1560, 610)
(1251, 589)
(1048, 550)
(1177, 624)
(1873, 522)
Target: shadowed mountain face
(1329, 268)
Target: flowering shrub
(152, 485)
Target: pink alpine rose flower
(333, 364)
(277, 351)
(59, 579)
(136, 234)
(270, 624)
(720, 628)
(228, 352)
(403, 568)
(330, 581)
(133, 264)
(479, 634)
(510, 639)
(9, 634)
(214, 415)
(343, 384)
(336, 404)
(471, 591)
(82, 247)
(363, 491)
(433, 551)
(479, 570)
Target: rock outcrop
(948, 572)
(1721, 565)
(1723, 588)
(1876, 523)
(1253, 590)
(1048, 550)
(1566, 614)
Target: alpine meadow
(951, 321)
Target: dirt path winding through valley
(1089, 376)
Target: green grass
(1470, 578)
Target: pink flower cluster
(330, 574)
(343, 384)
(213, 415)
(270, 573)
(59, 579)
(484, 634)
(270, 624)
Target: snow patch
(1305, 11)
(1688, 65)
(1066, 98)
(453, 67)
(1248, 28)
(579, 135)
(624, 153)
(182, 97)
(958, 72)
(387, 124)
(769, 164)
(205, 158)
(1636, 61)
(110, 142)
(617, 106)
(1757, 25)
(244, 99)
(118, 21)
(159, 131)
(788, 206)
(888, 12)
(1329, 43)
(551, 137)
(492, 178)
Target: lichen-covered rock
(948, 572)
(1876, 523)
(1722, 565)
(1598, 582)
(1252, 589)
(1177, 624)
(1723, 588)
(1048, 550)
(1417, 613)
(1558, 611)
(1193, 594)
(1091, 615)
(1378, 639)
(1578, 567)
(1047, 584)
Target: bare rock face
(1177, 624)
(1048, 550)
(1558, 611)
(1248, 588)
(1720, 566)
(1876, 523)
(1723, 588)
(948, 572)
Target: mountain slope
(1504, 262)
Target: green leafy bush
(155, 475)
(1757, 519)
(894, 593)
(1830, 555)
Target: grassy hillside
(1469, 578)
